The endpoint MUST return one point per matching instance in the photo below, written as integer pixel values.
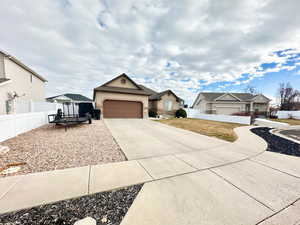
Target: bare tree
(288, 96)
(251, 90)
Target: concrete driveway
(145, 138)
(189, 179)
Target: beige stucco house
(121, 97)
(165, 103)
(19, 80)
(231, 103)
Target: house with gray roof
(71, 98)
(231, 103)
(122, 97)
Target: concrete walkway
(225, 183)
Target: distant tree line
(289, 98)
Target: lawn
(289, 121)
(220, 130)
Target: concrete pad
(271, 187)
(212, 158)
(41, 188)
(7, 183)
(165, 166)
(138, 142)
(285, 163)
(144, 138)
(228, 153)
(289, 216)
(196, 198)
(116, 175)
(200, 159)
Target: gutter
(5, 82)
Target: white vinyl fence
(14, 124)
(31, 106)
(194, 113)
(288, 115)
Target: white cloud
(77, 45)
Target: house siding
(160, 105)
(20, 83)
(117, 83)
(2, 72)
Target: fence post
(31, 104)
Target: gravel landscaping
(276, 143)
(107, 208)
(50, 147)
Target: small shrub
(273, 117)
(180, 113)
(152, 113)
(241, 114)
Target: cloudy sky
(184, 45)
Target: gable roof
(212, 96)
(158, 96)
(15, 60)
(142, 90)
(232, 95)
(74, 97)
(122, 75)
(149, 90)
(139, 91)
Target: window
(123, 81)
(168, 105)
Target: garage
(122, 109)
(227, 110)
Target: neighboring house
(64, 98)
(231, 103)
(73, 103)
(19, 81)
(121, 97)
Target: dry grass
(206, 127)
(289, 121)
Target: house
(73, 103)
(18, 81)
(231, 103)
(121, 97)
(65, 98)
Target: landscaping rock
(3, 149)
(276, 143)
(86, 221)
(50, 147)
(9, 170)
(107, 208)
